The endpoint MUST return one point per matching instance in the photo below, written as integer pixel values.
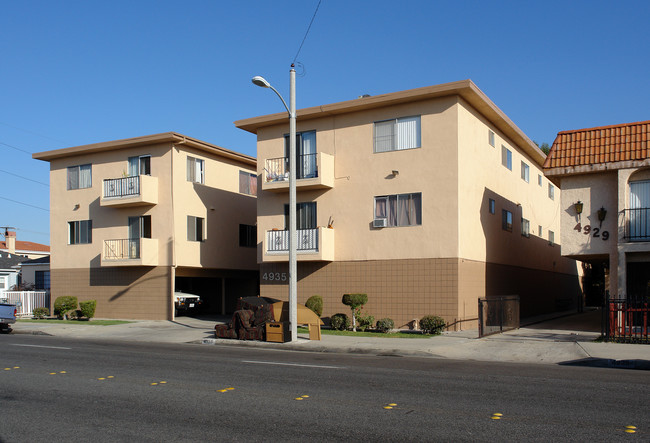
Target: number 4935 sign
(594, 232)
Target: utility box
(277, 331)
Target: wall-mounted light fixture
(395, 172)
(77, 206)
(602, 213)
(578, 207)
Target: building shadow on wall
(528, 266)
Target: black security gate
(497, 314)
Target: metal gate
(497, 314)
(627, 320)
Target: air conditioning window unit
(380, 223)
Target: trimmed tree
(315, 303)
(355, 302)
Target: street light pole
(293, 238)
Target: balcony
(313, 245)
(138, 190)
(314, 171)
(637, 224)
(130, 252)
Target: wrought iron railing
(122, 187)
(498, 314)
(627, 320)
(278, 241)
(637, 224)
(277, 169)
(122, 249)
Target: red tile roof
(26, 246)
(597, 146)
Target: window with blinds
(80, 232)
(397, 134)
(195, 228)
(195, 170)
(247, 183)
(80, 177)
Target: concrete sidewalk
(568, 340)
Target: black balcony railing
(627, 320)
(122, 187)
(122, 249)
(277, 169)
(637, 224)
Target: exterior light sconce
(602, 213)
(395, 172)
(77, 206)
(578, 207)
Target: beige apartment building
(132, 221)
(425, 199)
(604, 174)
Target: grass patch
(302, 330)
(75, 322)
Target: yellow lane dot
(388, 407)
(392, 404)
(62, 372)
(230, 389)
(163, 382)
(154, 384)
(52, 373)
(101, 378)
(7, 369)
(305, 396)
(222, 390)
(630, 427)
(16, 367)
(299, 398)
(111, 376)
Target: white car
(185, 303)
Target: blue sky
(79, 72)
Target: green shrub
(63, 305)
(41, 313)
(340, 322)
(432, 324)
(315, 303)
(363, 321)
(385, 325)
(355, 302)
(75, 314)
(87, 308)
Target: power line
(25, 204)
(306, 33)
(16, 148)
(25, 178)
(32, 132)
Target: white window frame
(551, 191)
(492, 206)
(506, 157)
(551, 237)
(525, 172)
(397, 133)
(195, 228)
(393, 220)
(491, 138)
(195, 170)
(525, 227)
(80, 232)
(140, 166)
(539, 179)
(76, 177)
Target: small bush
(363, 321)
(432, 324)
(87, 308)
(62, 305)
(41, 313)
(74, 314)
(385, 325)
(340, 322)
(315, 303)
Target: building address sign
(594, 232)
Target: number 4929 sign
(594, 232)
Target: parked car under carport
(186, 303)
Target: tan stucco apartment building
(604, 174)
(132, 221)
(425, 199)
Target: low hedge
(64, 304)
(41, 313)
(340, 322)
(385, 325)
(87, 308)
(432, 324)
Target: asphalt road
(65, 390)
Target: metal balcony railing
(122, 187)
(277, 169)
(637, 224)
(278, 241)
(122, 249)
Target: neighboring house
(9, 274)
(425, 199)
(132, 221)
(36, 272)
(604, 174)
(26, 248)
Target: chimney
(10, 241)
